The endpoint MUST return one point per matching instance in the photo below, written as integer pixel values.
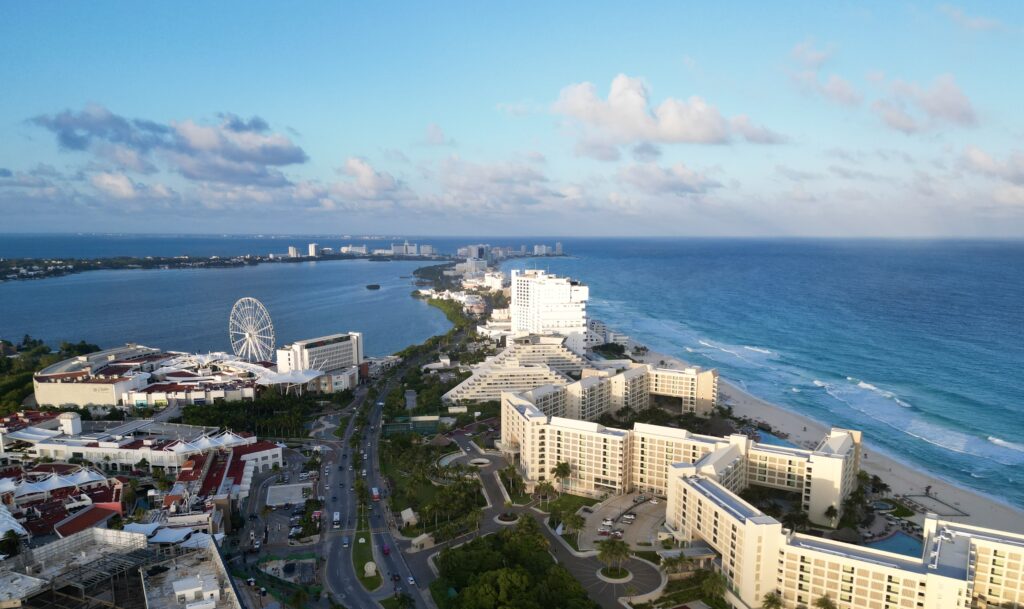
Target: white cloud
(435, 136)
(941, 103)
(807, 54)
(1012, 169)
(754, 133)
(114, 185)
(627, 117)
(975, 23)
(677, 180)
(840, 91)
(808, 76)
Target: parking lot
(644, 528)
(281, 494)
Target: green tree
(772, 600)
(574, 523)
(714, 585)
(824, 602)
(612, 552)
(831, 513)
(10, 544)
(561, 471)
(545, 489)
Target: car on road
(630, 515)
(617, 534)
(603, 530)
(640, 499)
(411, 580)
(334, 497)
(654, 501)
(386, 550)
(256, 546)
(607, 522)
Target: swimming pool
(900, 543)
(774, 440)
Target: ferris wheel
(251, 330)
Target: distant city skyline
(868, 119)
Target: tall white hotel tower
(548, 304)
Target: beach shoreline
(946, 498)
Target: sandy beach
(903, 479)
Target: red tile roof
(87, 518)
(255, 447)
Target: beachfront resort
(700, 477)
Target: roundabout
(611, 575)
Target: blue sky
(822, 119)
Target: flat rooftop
(720, 496)
(845, 550)
(202, 569)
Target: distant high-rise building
(558, 248)
(426, 250)
(293, 252)
(541, 250)
(548, 304)
(314, 250)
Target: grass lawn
(615, 572)
(389, 603)
(362, 553)
(901, 510)
(649, 555)
(681, 591)
(567, 504)
(517, 498)
(424, 491)
(571, 539)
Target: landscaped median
(362, 553)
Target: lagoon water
(188, 310)
(918, 343)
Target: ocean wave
(759, 350)
(795, 389)
(874, 404)
(818, 383)
(1005, 444)
(689, 349)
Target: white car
(654, 501)
(607, 522)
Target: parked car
(603, 530)
(640, 499)
(607, 522)
(654, 501)
(411, 580)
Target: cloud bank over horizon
(801, 137)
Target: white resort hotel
(551, 395)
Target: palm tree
(574, 522)
(824, 602)
(772, 600)
(831, 513)
(714, 585)
(674, 564)
(612, 552)
(795, 520)
(561, 471)
(545, 489)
